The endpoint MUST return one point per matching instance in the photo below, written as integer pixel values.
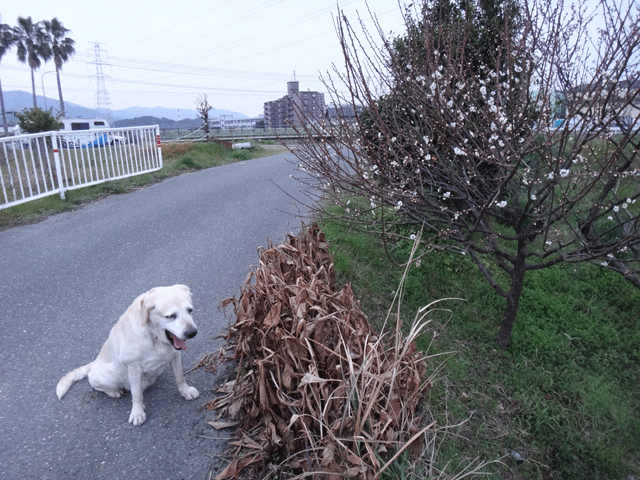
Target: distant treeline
(164, 123)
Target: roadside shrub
(34, 120)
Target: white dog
(147, 338)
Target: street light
(42, 81)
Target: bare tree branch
(524, 154)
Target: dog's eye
(189, 310)
(173, 316)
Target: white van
(81, 136)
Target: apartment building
(294, 109)
(227, 122)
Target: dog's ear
(147, 302)
(184, 287)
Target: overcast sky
(240, 53)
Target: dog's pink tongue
(178, 344)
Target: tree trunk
(4, 113)
(60, 92)
(513, 301)
(33, 87)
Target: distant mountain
(17, 100)
(163, 122)
(170, 113)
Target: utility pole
(103, 102)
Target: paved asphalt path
(65, 282)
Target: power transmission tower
(103, 102)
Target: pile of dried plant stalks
(318, 394)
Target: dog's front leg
(185, 390)
(137, 416)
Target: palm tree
(7, 39)
(33, 46)
(62, 49)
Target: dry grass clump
(175, 148)
(318, 393)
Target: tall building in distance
(294, 109)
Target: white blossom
(564, 172)
(459, 151)
(502, 204)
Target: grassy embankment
(177, 158)
(562, 402)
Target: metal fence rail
(37, 165)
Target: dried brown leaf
(223, 425)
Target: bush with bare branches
(203, 108)
(524, 160)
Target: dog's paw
(137, 416)
(114, 393)
(189, 393)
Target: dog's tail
(73, 376)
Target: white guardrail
(40, 164)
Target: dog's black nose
(191, 333)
